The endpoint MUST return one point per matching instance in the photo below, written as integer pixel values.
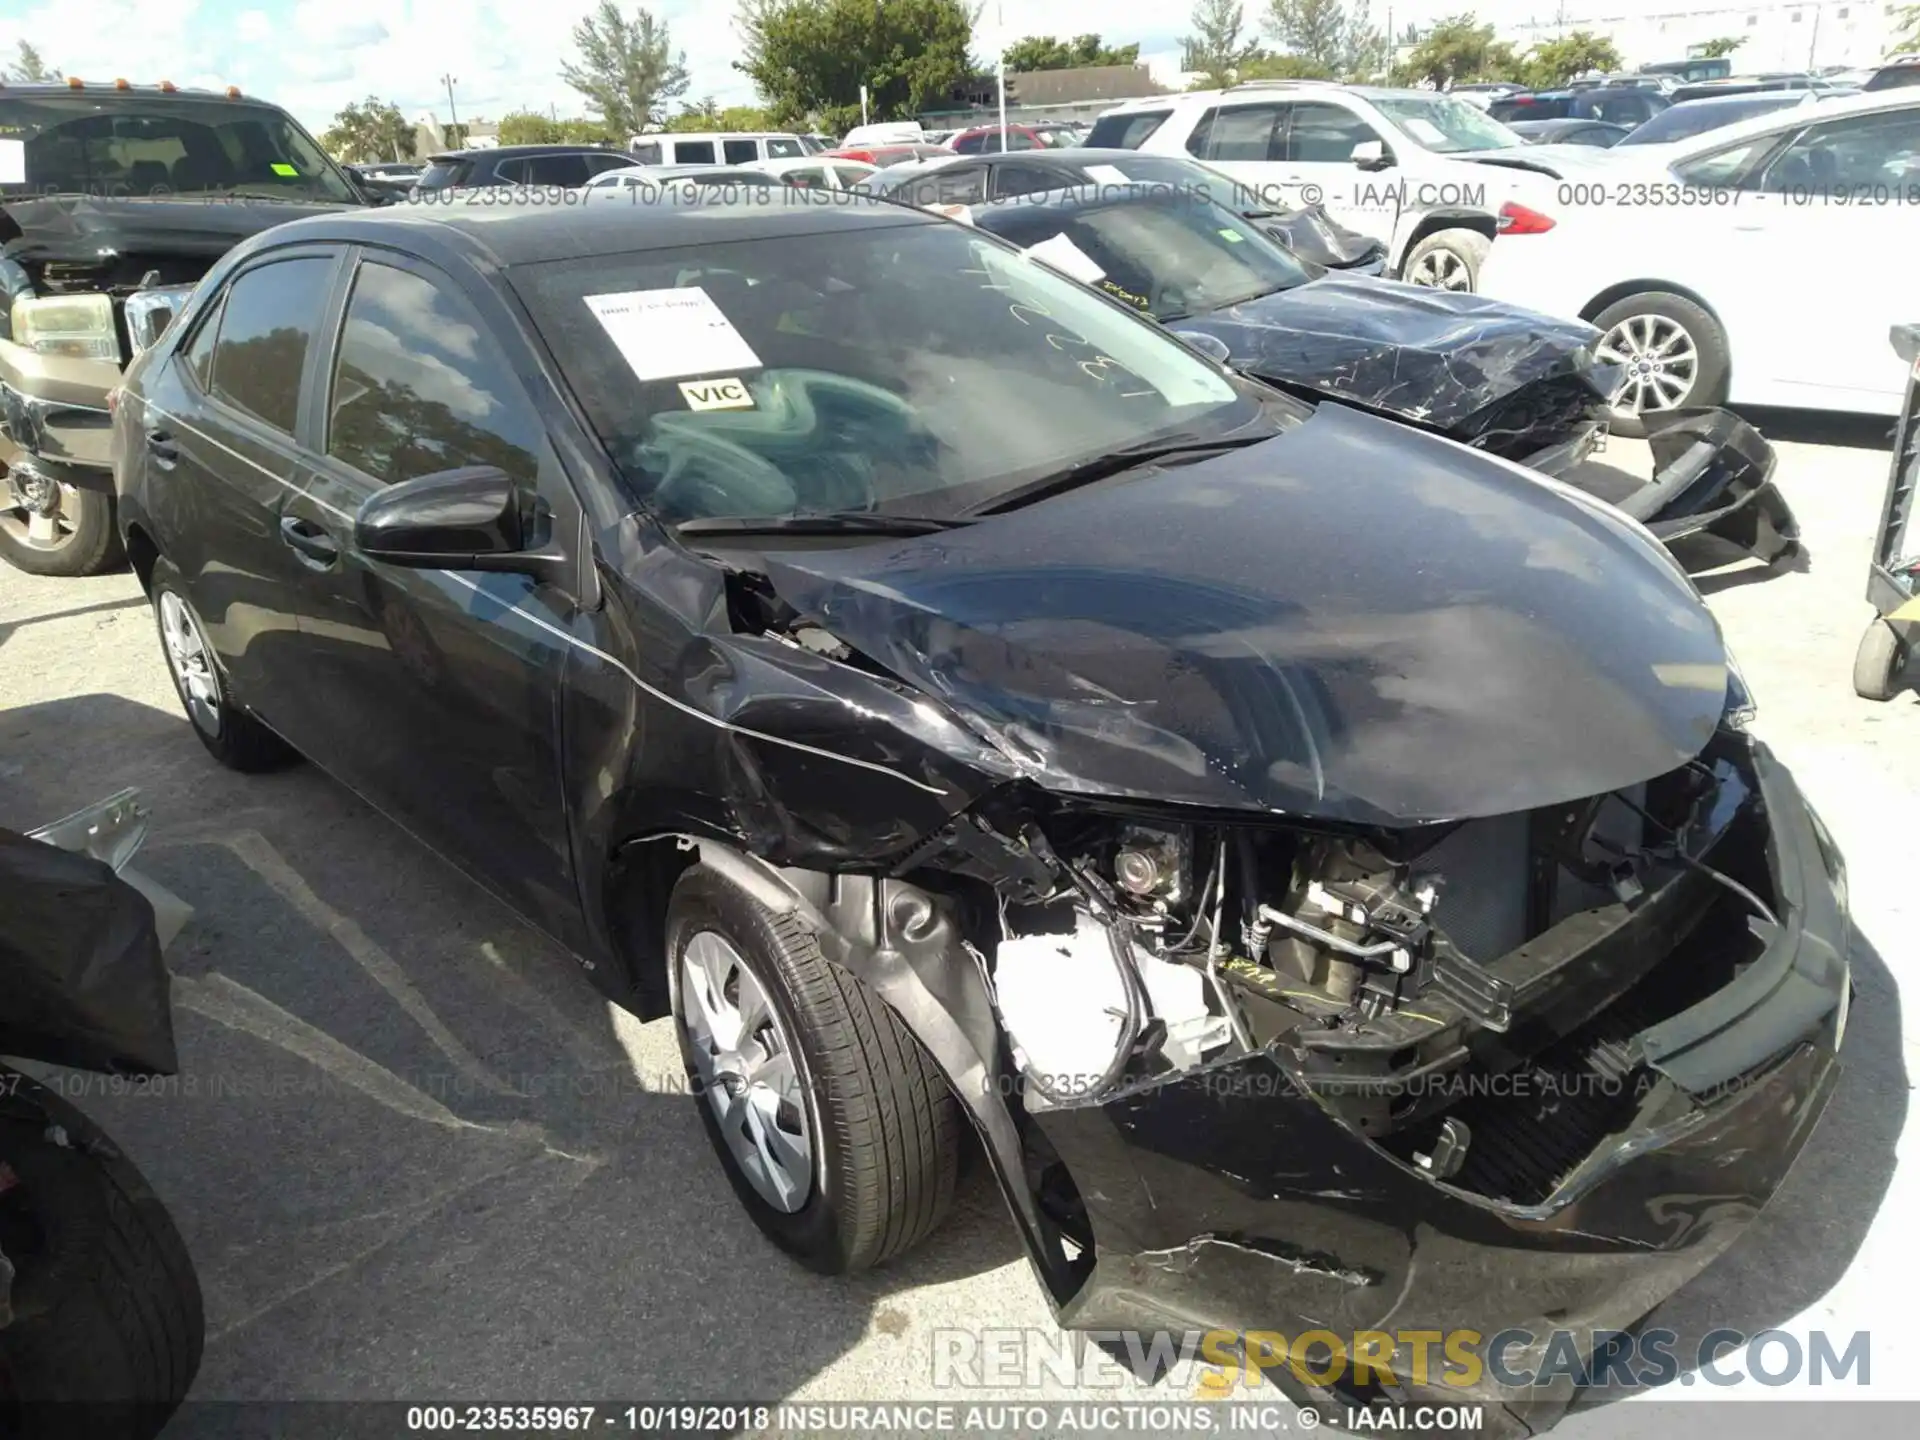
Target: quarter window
(266, 325)
(199, 351)
(418, 387)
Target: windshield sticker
(1107, 175)
(728, 394)
(664, 334)
(1068, 258)
(13, 162)
(280, 167)
(1424, 130)
(1232, 237)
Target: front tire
(835, 1129)
(1674, 352)
(231, 735)
(1447, 260)
(47, 528)
(107, 1325)
(1879, 662)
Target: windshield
(1169, 254)
(1682, 122)
(1446, 125)
(86, 145)
(918, 367)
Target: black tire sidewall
(1709, 340)
(813, 1234)
(93, 549)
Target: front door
(440, 690)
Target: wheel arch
(1432, 223)
(1624, 289)
(142, 553)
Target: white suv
(1401, 165)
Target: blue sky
(315, 55)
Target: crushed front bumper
(1230, 1199)
(1713, 500)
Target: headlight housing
(1740, 708)
(78, 326)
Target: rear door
(221, 422)
(439, 690)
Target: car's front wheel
(231, 735)
(835, 1129)
(49, 528)
(1673, 352)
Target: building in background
(1777, 35)
(1044, 95)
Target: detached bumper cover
(1229, 1199)
(1713, 481)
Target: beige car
(114, 200)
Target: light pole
(453, 115)
(1000, 36)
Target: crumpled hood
(1353, 621)
(90, 227)
(1435, 356)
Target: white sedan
(1759, 264)
(818, 172)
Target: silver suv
(1405, 166)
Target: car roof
(1782, 98)
(785, 163)
(522, 232)
(1834, 107)
(508, 152)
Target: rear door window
(740, 152)
(647, 154)
(693, 152)
(1237, 132)
(1028, 179)
(566, 170)
(266, 326)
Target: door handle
(311, 545)
(160, 445)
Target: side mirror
(475, 518)
(1371, 155)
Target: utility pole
(453, 115)
(1814, 41)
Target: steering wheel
(706, 474)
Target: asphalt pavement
(417, 1157)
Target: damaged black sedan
(959, 703)
(1514, 383)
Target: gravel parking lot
(415, 1156)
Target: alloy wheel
(191, 660)
(748, 1070)
(1441, 270)
(1660, 358)
(32, 513)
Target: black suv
(566, 165)
(1615, 104)
(114, 200)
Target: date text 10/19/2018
(922, 1417)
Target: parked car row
(923, 670)
(954, 699)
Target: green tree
(1218, 47)
(1458, 49)
(709, 115)
(809, 58)
(29, 68)
(528, 127)
(628, 69)
(1043, 52)
(1284, 67)
(1552, 63)
(1725, 45)
(370, 129)
(1905, 30)
(1336, 36)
